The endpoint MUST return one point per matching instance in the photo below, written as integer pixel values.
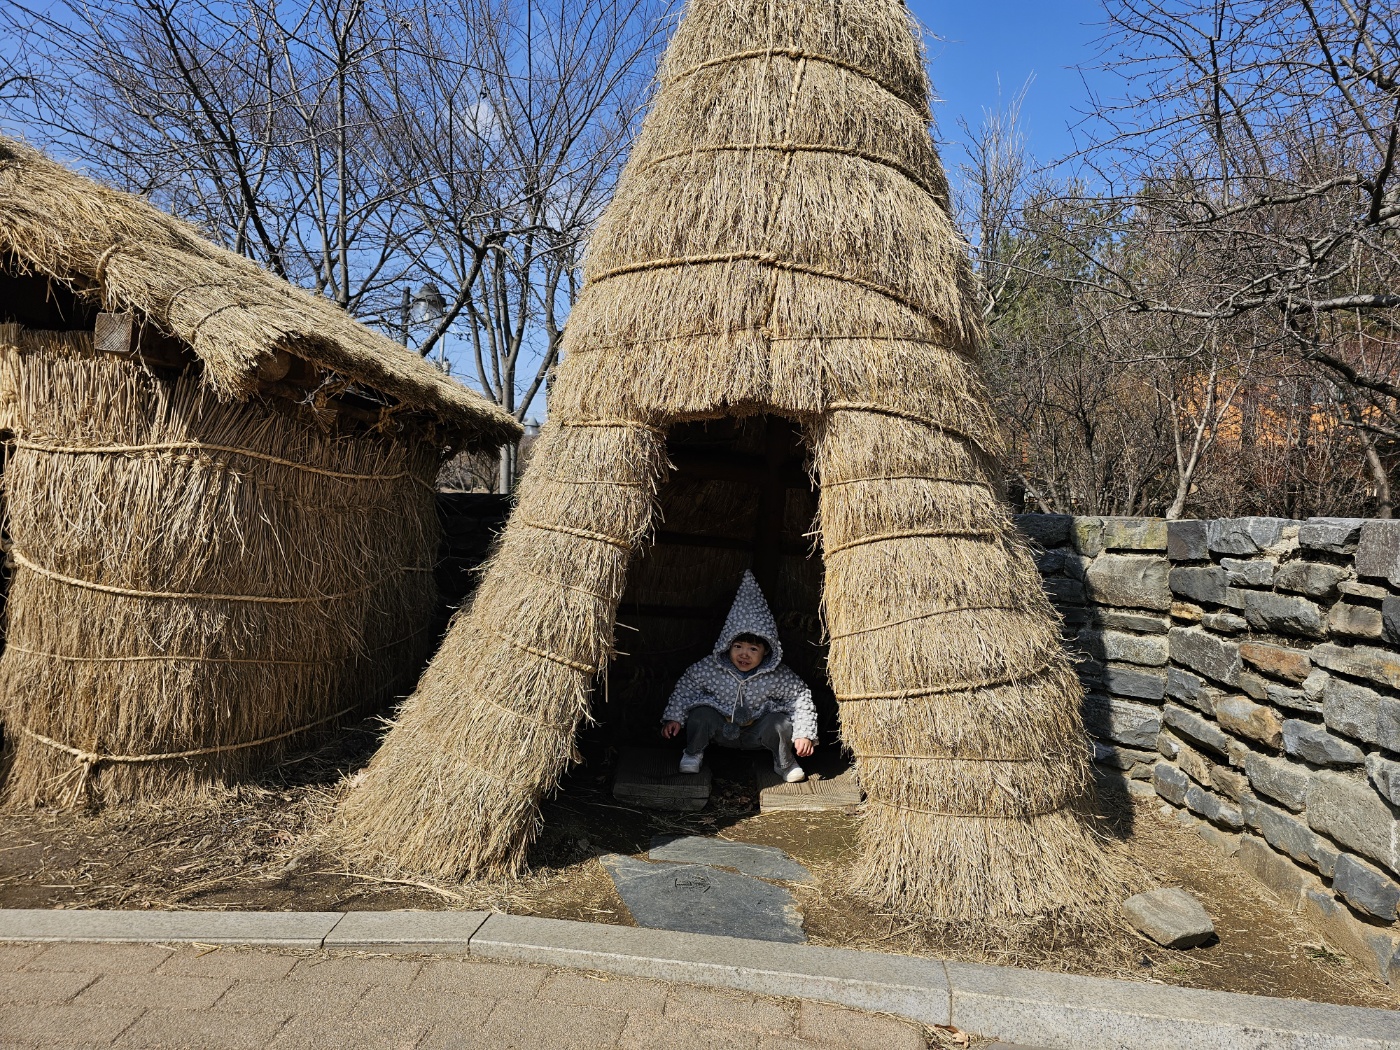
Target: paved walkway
(105, 995)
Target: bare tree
(1258, 141)
(239, 115)
(1205, 319)
(994, 181)
(361, 146)
(547, 105)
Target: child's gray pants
(705, 725)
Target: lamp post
(427, 304)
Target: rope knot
(99, 272)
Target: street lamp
(427, 304)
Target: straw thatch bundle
(209, 562)
(240, 322)
(780, 242)
(171, 594)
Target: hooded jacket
(715, 682)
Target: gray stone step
(764, 862)
(693, 898)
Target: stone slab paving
(695, 898)
(224, 998)
(764, 862)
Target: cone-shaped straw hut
(779, 254)
(219, 499)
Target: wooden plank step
(647, 776)
(840, 793)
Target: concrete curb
(1055, 1011)
(896, 984)
(276, 929)
(430, 932)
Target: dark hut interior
(40, 303)
(740, 497)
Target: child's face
(747, 655)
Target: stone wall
(1247, 672)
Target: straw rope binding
(128, 592)
(89, 761)
(765, 259)
(566, 530)
(163, 446)
(797, 54)
(293, 590)
(546, 654)
(906, 534)
(795, 147)
(989, 682)
(913, 619)
(608, 423)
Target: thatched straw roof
(126, 254)
(780, 242)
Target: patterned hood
(713, 681)
(750, 615)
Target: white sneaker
(793, 774)
(691, 763)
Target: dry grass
(456, 786)
(780, 243)
(119, 251)
(171, 594)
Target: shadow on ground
(257, 847)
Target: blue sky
(983, 43)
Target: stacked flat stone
(1108, 578)
(1247, 672)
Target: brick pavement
(133, 996)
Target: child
(742, 696)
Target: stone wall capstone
(1246, 672)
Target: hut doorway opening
(740, 497)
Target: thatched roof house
(219, 498)
(778, 273)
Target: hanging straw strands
(538, 629)
(780, 242)
(174, 620)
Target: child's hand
(803, 747)
(670, 729)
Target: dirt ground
(260, 847)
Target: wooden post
(111, 333)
